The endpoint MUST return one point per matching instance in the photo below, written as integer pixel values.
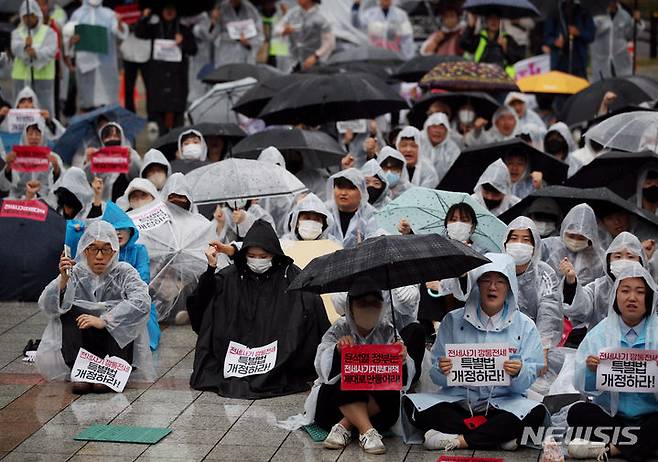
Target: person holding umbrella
(438, 143)
(445, 41)
(494, 189)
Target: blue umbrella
(426, 209)
(83, 126)
(510, 9)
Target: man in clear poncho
(387, 27)
(505, 127)
(309, 220)
(376, 184)
(240, 49)
(96, 303)
(394, 166)
(437, 143)
(631, 323)
(494, 189)
(419, 168)
(526, 116)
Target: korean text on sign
(111, 371)
(478, 365)
(18, 119)
(151, 217)
(111, 159)
(31, 210)
(627, 370)
(242, 361)
(31, 159)
(371, 367)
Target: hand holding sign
(592, 362)
(371, 367)
(111, 159)
(31, 159)
(86, 321)
(445, 365)
(345, 341)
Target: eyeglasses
(488, 282)
(105, 251)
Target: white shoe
(371, 442)
(338, 437)
(152, 131)
(583, 449)
(435, 439)
(511, 445)
(182, 318)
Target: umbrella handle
(390, 296)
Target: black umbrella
(237, 71)
(317, 148)
(168, 143)
(602, 201)
(414, 69)
(584, 105)
(255, 99)
(367, 54)
(616, 170)
(381, 69)
(511, 9)
(484, 105)
(29, 255)
(471, 164)
(331, 98)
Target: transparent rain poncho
(310, 203)
(497, 175)
(444, 154)
(403, 183)
(118, 296)
(372, 168)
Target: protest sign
(371, 367)
(129, 14)
(111, 370)
(31, 210)
(151, 217)
(242, 361)
(628, 370)
(167, 50)
(357, 126)
(111, 159)
(477, 364)
(18, 119)
(31, 159)
(92, 38)
(534, 65)
(246, 28)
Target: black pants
(500, 427)
(413, 336)
(331, 398)
(131, 70)
(588, 415)
(96, 341)
(160, 118)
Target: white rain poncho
(363, 224)
(74, 181)
(372, 168)
(444, 154)
(529, 117)
(118, 296)
(176, 240)
(590, 262)
(641, 178)
(177, 184)
(54, 128)
(590, 302)
(391, 30)
(204, 146)
(356, 148)
(609, 50)
(229, 50)
(205, 35)
(154, 157)
(608, 334)
(310, 203)
(573, 163)
(237, 232)
(493, 135)
(138, 184)
(424, 173)
(497, 175)
(18, 183)
(403, 183)
(278, 207)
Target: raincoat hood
(372, 168)
(438, 118)
(312, 203)
(564, 131)
(526, 223)
(273, 156)
(355, 177)
(497, 175)
(98, 230)
(177, 184)
(138, 184)
(34, 9)
(409, 132)
(155, 157)
(515, 96)
(630, 243)
(387, 152)
(650, 167)
(75, 181)
(504, 109)
(41, 124)
(382, 324)
(27, 92)
(124, 140)
(581, 220)
(261, 234)
(204, 146)
(120, 220)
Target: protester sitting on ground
(494, 189)
(27, 99)
(72, 196)
(505, 127)
(438, 144)
(310, 221)
(376, 184)
(277, 207)
(394, 166)
(559, 143)
(96, 303)
(234, 219)
(419, 168)
(155, 168)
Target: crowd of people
(561, 285)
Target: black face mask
(650, 194)
(112, 143)
(555, 146)
(374, 194)
(491, 204)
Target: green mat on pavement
(123, 434)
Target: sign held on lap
(629, 370)
(478, 365)
(111, 371)
(371, 367)
(242, 361)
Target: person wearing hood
(166, 78)
(205, 31)
(230, 49)
(646, 191)
(71, 195)
(494, 189)
(354, 220)
(309, 220)
(578, 244)
(445, 41)
(505, 127)
(155, 168)
(419, 169)
(234, 219)
(362, 146)
(394, 166)
(526, 116)
(386, 25)
(97, 74)
(34, 47)
(114, 184)
(438, 145)
(96, 303)
(559, 143)
(18, 183)
(631, 322)
(590, 151)
(140, 192)
(248, 304)
(491, 315)
(177, 191)
(278, 207)
(27, 99)
(376, 184)
(524, 181)
(547, 215)
(539, 297)
(192, 151)
(369, 412)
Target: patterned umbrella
(414, 69)
(468, 76)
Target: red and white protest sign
(242, 361)
(371, 367)
(111, 370)
(31, 210)
(630, 370)
(31, 159)
(129, 14)
(478, 364)
(111, 159)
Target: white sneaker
(435, 439)
(338, 437)
(511, 445)
(583, 449)
(371, 442)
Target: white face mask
(193, 151)
(309, 230)
(366, 318)
(459, 231)
(617, 266)
(521, 253)
(545, 228)
(138, 203)
(575, 245)
(158, 179)
(466, 116)
(95, 2)
(259, 265)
